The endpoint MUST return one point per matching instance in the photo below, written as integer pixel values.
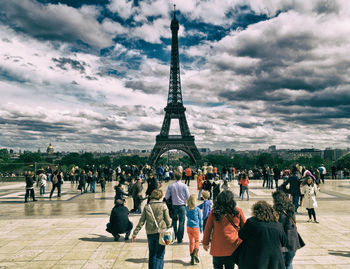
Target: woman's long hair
(282, 203)
(263, 211)
(224, 204)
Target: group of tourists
(270, 235)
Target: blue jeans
(288, 259)
(296, 202)
(92, 186)
(42, 190)
(179, 213)
(245, 190)
(156, 252)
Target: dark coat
(136, 189)
(119, 194)
(291, 233)
(29, 182)
(262, 243)
(119, 219)
(294, 185)
(152, 185)
(207, 185)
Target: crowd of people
(270, 234)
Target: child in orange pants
(194, 226)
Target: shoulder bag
(166, 236)
(301, 241)
(237, 243)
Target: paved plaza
(69, 232)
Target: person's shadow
(145, 260)
(339, 253)
(104, 238)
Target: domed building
(50, 149)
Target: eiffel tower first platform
(174, 110)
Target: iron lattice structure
(174, 110)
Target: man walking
(179, 194)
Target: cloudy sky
(94, 75)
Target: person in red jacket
(223, 224)
(244, 182)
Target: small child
(194, 226)
(225, 186)
(205, 206)
(245, 182)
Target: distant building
(272, 148)
(50, 150)
(334, 154)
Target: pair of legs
(311, 212)
(179, 213)
(127, 232)
(245, 190)
(54, 186)
(29, 193)
(42, 190)
(187, 180)
(92, 186)
(193, 236)
(137, 204)
(296, 202)
(156, 252)
(288, 259)
(223, 262)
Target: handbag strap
(154, 218)
(285, 213)
(231, 221)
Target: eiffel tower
(174, 110)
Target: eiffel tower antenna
(174, 109)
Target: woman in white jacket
(309, 189)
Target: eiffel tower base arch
(166, 143)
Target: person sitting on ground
(119, 222)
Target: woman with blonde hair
(309, 189)
(263, 238)
(156, 216)
(194, 226)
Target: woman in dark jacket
(285, 210)
(263, 237)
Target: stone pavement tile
(71, 264)
(316, 266)
(130, 259)
(24, 255)
(345, 266)
(12, 265)
(80, 254)
(50, 255)
(99, 264)
(39, 264)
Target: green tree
(30, 157)
(343, 162)
(4, 155)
